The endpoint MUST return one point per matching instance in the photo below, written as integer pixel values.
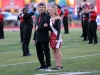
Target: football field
(79, 58)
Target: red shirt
(93, 16)
(1, 17)
(65, 12)
(21, 19)
(59, 11)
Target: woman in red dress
(55, 36)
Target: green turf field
(78, 56)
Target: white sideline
(69, 73)
(51, 59)
(65, 73)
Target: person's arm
(94, 14)
(58, 22)
(28, 15)
(34, 36)
(47, 21)
(18, 17)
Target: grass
(78, 56)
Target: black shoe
(84, 40)
(48, 68)
(89, 42)
(27, 54)
(82, 36)
(57, 68)
(66, 33)
(1, 38)
(95, 42)
(41, 68)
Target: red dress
(53, 38)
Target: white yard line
(51, 59)
(64, 73)
(82, 56)
(69, 73)
(18, 64)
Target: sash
(55, 32)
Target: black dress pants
(92, 32)
(85, 31)
(65, 23)
(43, 51)
(27, 31)
(82, 23)
(21, 31)
(1, 30)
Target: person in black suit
(65, 20)
(27, 30)
(41, 38)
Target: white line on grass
(69, 73)
(64, 73)
(51, 59)
(18, 64)
(82, 56)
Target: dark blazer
(42, 34)
(28, 19)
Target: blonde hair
(56, 11)
(55, 8)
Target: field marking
(51, 59)
(70, 73)
(64, 73)
(82, 56)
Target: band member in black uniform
(1, 26)
(92, 25)
(65, 20)
(20, 17)
(86, 20)
(80, 16)
(41, 38)
(81, 11)
(27, 30)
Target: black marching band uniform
(27, 31)
(80, 16)
(65, 21)
(92, 26)
(20, 17)
(1, 26)
(85, 22)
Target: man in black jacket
(41, 38)
(27, 30)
